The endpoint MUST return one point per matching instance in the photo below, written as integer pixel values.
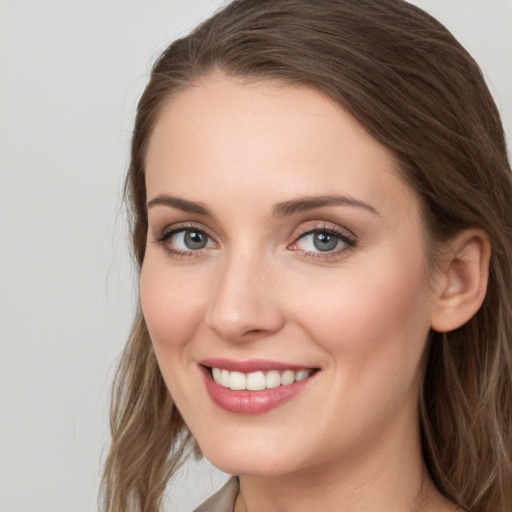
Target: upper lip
(251, 365)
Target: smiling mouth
(254, 386)
(258, 380)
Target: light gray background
(70, 74)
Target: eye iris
(195, 239)
(325, 242)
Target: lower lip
(252, 402)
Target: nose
(244, 304)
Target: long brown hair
(413, 87)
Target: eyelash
(349, 241)
(168, 232)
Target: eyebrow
(304, 204)
(282, 209)
(179, 204)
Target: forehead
(266, 141)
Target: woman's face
(284, 255)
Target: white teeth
(288, 377)
(216, 373)
(273, 379)
(301, 375)
(256, 381)
(224, 378)
(237, 380)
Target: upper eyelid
(183, 226)
(304, 229)
(311, 227)
(163, 237)
(345, 238)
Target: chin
(261, 458)
(261, 466)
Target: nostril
(255, 334)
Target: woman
(321, 204)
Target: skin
(261, 290)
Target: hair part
(417, 91)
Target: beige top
(223, 500)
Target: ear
(462, 280)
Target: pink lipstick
(255, 386)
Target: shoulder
(223, 500)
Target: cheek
(373, 327)
(171, 304)
(372, 320)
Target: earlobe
(463, 281)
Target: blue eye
(192, 240)
(323, 241)
(185, 240)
